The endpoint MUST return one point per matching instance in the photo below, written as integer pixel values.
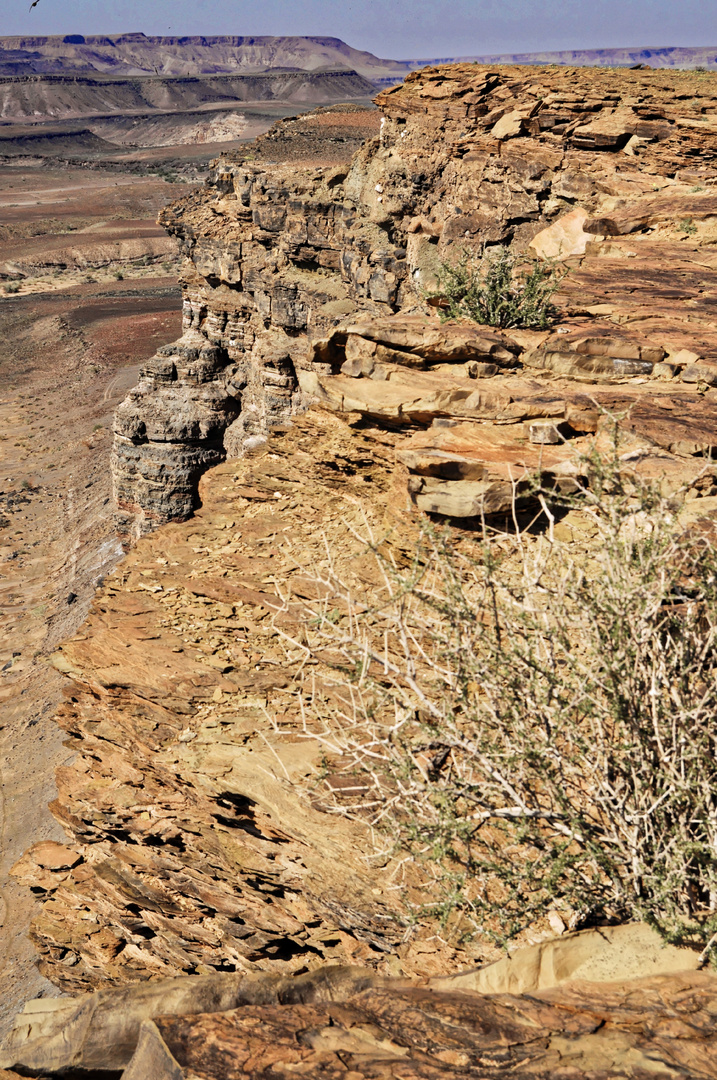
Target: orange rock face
(299, 281)
(344, 1022)
(203, 844)
(584, 1032)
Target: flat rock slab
(338, 1022)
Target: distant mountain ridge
(38, 98)
(136, 54)
(668, 56)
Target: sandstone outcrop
(346, 1021)
(310, 284)
(411, 1032)
(198, 837)
(199, 808)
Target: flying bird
(34, 4)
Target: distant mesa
(136, 54)
(663, 57)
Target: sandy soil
(71, 351)
(61, 228)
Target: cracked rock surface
(306, 284)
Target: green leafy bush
(498, 290)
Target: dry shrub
(539, 726)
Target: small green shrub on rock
(498, 290)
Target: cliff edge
(309, 284)
(315, 409)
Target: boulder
(564, 238)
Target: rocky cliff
(305, 285)
(199, 807)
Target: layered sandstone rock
(169, 429)
(345, 1021)
(200, 808)
(300, 281)
(198, 835)
(200, 841)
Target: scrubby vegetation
(499, 290)
(539, 726)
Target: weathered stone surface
(609, 954)
(611, 130)
(565, 237)
(416, 1032)
(309, 284)
(45, 865)
(169, 431)
(344, 1021)
(192, 805)
(193, 802)
(509, 125)
(198, 837)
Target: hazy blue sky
(393, 28)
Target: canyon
(106, 98)
(106, 119)
(204, 901)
